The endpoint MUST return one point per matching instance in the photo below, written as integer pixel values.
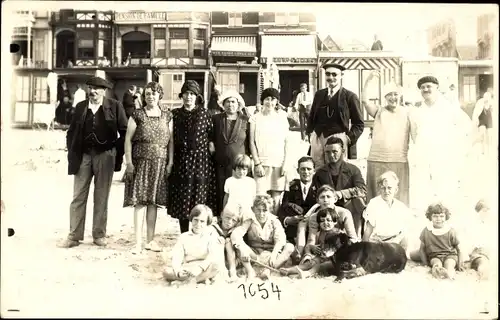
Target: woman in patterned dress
(193, 174)
(149, 157)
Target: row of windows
(40, 92)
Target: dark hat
(333, 65)
(269, 92)
(291, 209)
(190, 85)
(99, 83)
(427, 79)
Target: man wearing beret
(442, 144)
(95, 149)
(331, 110)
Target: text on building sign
(134, 16)
(293, 60)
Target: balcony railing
(33, 65)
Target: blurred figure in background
(483, 120)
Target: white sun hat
(390, 87)
(229, 93)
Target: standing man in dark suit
(94, 150)
(129, 100)
(345, 178)
(297, 201)
(332, 109)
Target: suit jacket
(350, 109)
(294, 195)
(128, 103)
(227, 147)
(116, 122)
(350, 182)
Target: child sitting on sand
(439, 244)
(229, 220)
(479, 257)
(317, 256)
(386, 217)
(195, 256)
(266, 239)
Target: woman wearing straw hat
(192, 181)
(392, 127)
(231, 138)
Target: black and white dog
(357, 259)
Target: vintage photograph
(249, 160)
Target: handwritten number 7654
(252, 291)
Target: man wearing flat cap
(331, 111)
(95, 149)
(442, 142)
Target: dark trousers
(303, 115)
(357, 206)
(101, 168)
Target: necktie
(330, 92)
(304, 193)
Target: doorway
(485, 82)
(290, 80)
(248, 87)
(65, 48)
(137, 43)
(199, 77)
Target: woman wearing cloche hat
(192, 180)
(268, 140)
(231, 138)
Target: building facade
(475, 73)
(32, 62)
(182, 54)
(234, 53)
(289, 41)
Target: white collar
(440, 231)
(333, 90)
(307, 185)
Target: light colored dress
(197, 250)
(271, 133)
(241, 192)
(150, 158)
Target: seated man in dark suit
(300, 197)
(344, 177)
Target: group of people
(225, 175)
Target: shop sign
(281, 60)
(233, 53)
(140, 17)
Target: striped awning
(234, 46)
(364, 63)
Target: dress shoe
(101, 242)
(68, 244)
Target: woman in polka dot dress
(149, 157)
(193, 175)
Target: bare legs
(276, 200)
(149, 212)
